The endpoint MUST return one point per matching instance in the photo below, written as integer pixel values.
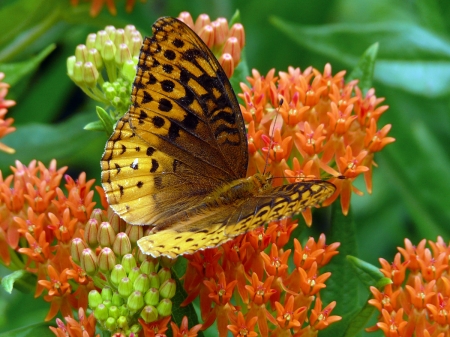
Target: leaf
(404, 60)
(365, 68)
(40, 329)
(342, 286)
(106, 120)
(359, 320)
(15, 72)
(20, 279)
(366, 272)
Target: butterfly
(177, 160)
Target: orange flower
(5, 124)
(97, 6)
(289, 317)
(393, 324)
(85, 326)
(242, 327)
(320, 319)
(183, 330)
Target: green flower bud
(81, 53)
(97, 214)
(107, 293)
(135, 45)
(76, 249)
(125, 287)
(117, 274)
(78, 77)
(109, 91)
(117, 300)
(128, 262)
(154, 280)
(101, 312)
(106, 260)
(135, 328)
(149, 314)
(121, 245)
(168, 288)
(135, 301)
(133, 232)
(90, 74)
(129, 71)
(111, 30)
(119, 37)
(108, 52)
(90, 232)
(70, 64)
(124, 311)
(111, 324)
(90, 41)
(100, 39)
(142, 283)
(107, 304)
(151, 297)
(164, 274)
(105, 235)
(122, 54)
(129, 30)
(88, 261)
(164, 307)
(95, 57)
(94, 299)
(148, 266)
(122, 323)
(114, 312)
(133, 274)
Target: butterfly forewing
(180, 145)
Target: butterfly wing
(211, 229)
(183, 135)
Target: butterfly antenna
(280, 103)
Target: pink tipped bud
(227, 63)
(237, 30)
(187, 19)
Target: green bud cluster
(105, 66)
(132, 285)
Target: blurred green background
(411, 194)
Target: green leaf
(342, 286)
(236, 18)
(106, 120)
(359, 320)
(366, 272)
(240, 74)
(40, 329)
(365, 68)
(383, 282)
(95, 126)
(15, 72)
(178, 312)
(404, 60)
(20, 279)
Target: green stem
(25, 39)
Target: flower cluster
(417, 302)
(5, 124)
(97, 6)
(105, 66)
(325, 127)
(38, 222)
(245, 285)
(225, 42)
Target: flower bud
(107, 304)
(78, 74)
(76, 249)
(168, 288)
(207, 35)
(122, 323)
(106, 260)
(88, 261)
(129, 30)
(151, 297)
(111, 324)
(164, 307)
(149, 314)
(105, 235)
(101, 312)
(237, 30)
(167, 262)
(96, 59)
(149, 265)
(114, 312)
(90, 232)
(94, 299)
(70, 64)
(116, 222)
(121, 245)
(97, 214)
(220, 27)
(81, 53)
(187, 19)
(134, 330)
(135, 301)
(117, 300)
(154, 280)
(90, 41)
(111, 30)
(124, 311)
(108, 52)
(122, 54)
(125, 287)
(135, 46)
(142, 283)
(107, 293)
(129, 71)
(117, 274)
(202, 21)
(90, 74)
(134, 233)
(232, 47)
(119, 37)
(100, 39)
(164, 274)
(133, 274)
(227, 63)
(128, 262)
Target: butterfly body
(178, 158)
